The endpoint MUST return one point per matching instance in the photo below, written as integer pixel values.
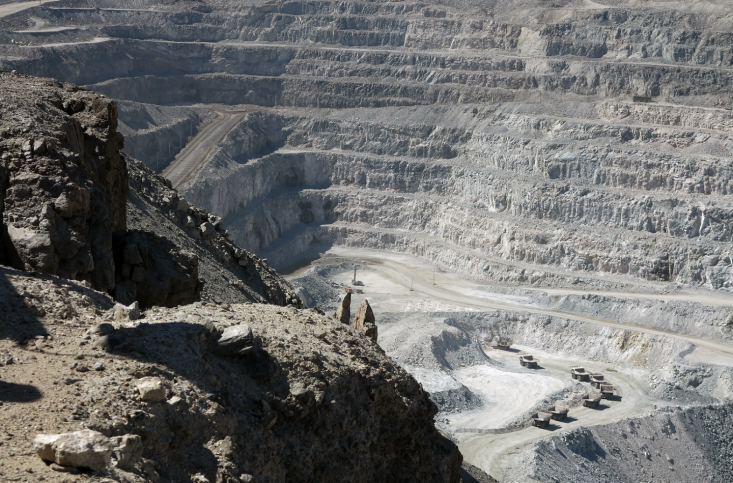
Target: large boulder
(84, 449)
(235, 340)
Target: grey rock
(126, 313)
(150, 389)
(237, 339)
(364, 320)
(183, 205)
(81, 449)
(343, 314)
(127, 450)
(207, 230)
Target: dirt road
(11, 8)
(397, 282)
(497, 453)
(196, 152)
(405, 272)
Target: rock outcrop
(343, 313)
(365, 322)
(64, 183)
(64, 186)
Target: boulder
(151, 389)
(81, 449)
(344, 311)
(127, 450)
(207, 230)
(125, 313)
(364, 320)
(235, 340)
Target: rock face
(343, 314)
(154, 271)
(64, 186)
(231, 274)
(364, 320)
(315, 400)
(81, 449)
(64, 182)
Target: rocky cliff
(75, 206)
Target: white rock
(131, 312)
(81, 449)
(151, 389)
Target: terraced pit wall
(506, 142)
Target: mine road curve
(11, 8)
(453, 291)
(196, 151)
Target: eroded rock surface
(364, 320)
(64, 182)
(343, 313)
(64, 186)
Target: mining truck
(527, 360)
(597, 379)
(503, 343)
(579, 373)
(592, 399)
(607, 391)
(559, 412)
(541, 419)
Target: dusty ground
(274, 413)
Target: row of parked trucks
(558, 412)
(598, 381)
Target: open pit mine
(366, 241)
